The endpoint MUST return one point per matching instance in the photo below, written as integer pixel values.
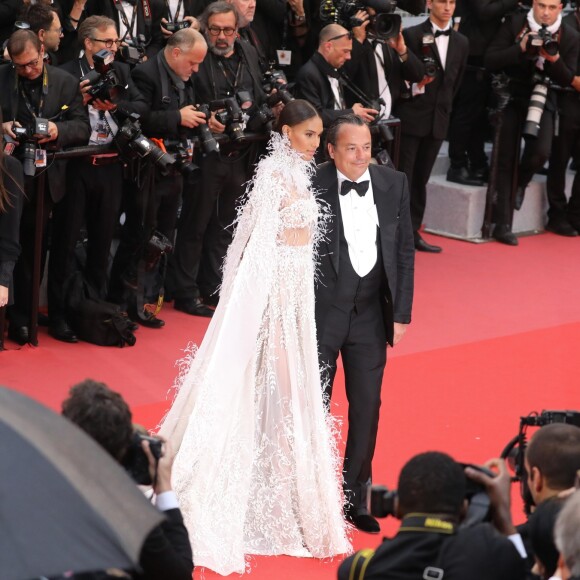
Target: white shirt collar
(366, 176)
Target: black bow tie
(361, 188)
(443, 32)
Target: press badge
(101, 131)
(40, 158)
(284, 57)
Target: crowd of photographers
(175, 101)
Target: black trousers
(95, 201)
(536, 153)
(203, 234)
(469, 120)
(160, 213)
(417, 157)
(564, 146)
(19, 312)
(359, 336)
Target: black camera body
(207, 141)
(175, 26)
(276, 79)
(542, 39)
(230, 114)
(135, 461)
(131, 54)
(27, 139)
(429, 61)
(260, 118)
(103, 80)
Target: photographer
(44, 21)
(166, 83)
(534, 50)
(430, 542)
(109, 95)
(230, 81)
(105, 416)
(42, 109)
(425, 107)
(180, 14)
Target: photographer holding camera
(425, 107)
(431, 543)
(105, 416)
(42, 109)
(166, 83)
(534, 49)
(230, 81)
(109, 95)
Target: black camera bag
(95, 320)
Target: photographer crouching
(167, 85)
(432, 499)
(534, 49)
(96, 181)
(105, 416)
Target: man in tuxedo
(425, 109)
(30, 90)
(364, 292)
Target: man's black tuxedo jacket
(133, 101)
(428, 114)
(391, 196)
(569, 103)
(365, 75)
(163, 118)
(313, 85)
(505, 54)
(72, 122)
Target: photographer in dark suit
(97, 181)
(425, 108)
(520, 52)
(166, 84)
(430, 543)
(31, 90)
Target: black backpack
(95, 320)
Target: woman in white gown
(257, 470)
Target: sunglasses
(348, 35)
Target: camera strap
(130, 25)
(428, 523)
(43, 94)
(175, 16)
(228, 73)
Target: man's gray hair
(185, 39)
(566, 533)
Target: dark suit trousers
(564, 146)
(359, 336)
(201, 233)
(417, 157)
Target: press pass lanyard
(428, 523)
(128, 25)
(228, 75)
(42, 96)
(176, 15)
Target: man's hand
(360, 32)
(164, 30)
(398, 43)
(7, 128)
(365, 114)
(576, 84)
(103, 105)
(399, 330)
(498, 488)
(214, 125)
(425, 81)
(84, 87)
(190, 117)
(3, 296)
(160, 470)
(549, 57)
(52, 133)
(524, 42)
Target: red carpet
(495, 335)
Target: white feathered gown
(257, 471)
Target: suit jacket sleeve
(564, 69)
(166, 552)
(502, 51)
(134, 101)
(492, 9)
(412, 69)
(403, 299)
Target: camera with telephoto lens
(27, 139)
(276, 79)
(206, 139)
(133, 144)
(260, 118)
(542, 39)
(536, 106)
(182, 152)
(381, 500)
(135, 461)
(230, 114)
(175, 26)
(429, 62)
(104, 83)
(383, 25)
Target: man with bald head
(318, 80)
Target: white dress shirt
(335, 88)
(359, 222)
(129, 10)
(442, 42)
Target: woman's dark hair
(348, 119)
(294, 113)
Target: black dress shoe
(19, 334)
(422, 246)
(575, 225)
(60, 330)
(212, 299)
(193, 306)
(479, 174)
(504, 235)
(463, 176)
(364, 522)
(519, 198)
(146, 319)
(562, 228)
